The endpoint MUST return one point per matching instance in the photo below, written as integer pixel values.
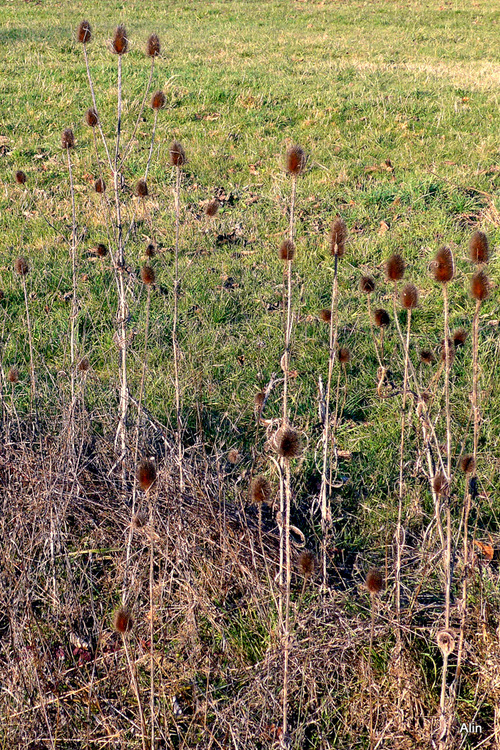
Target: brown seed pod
(91, 117)
(295, 160)
(395, 267)
(212, 207)
(259, 401)
(443, 265)
(288, 443)
(459, 337)
(84, 34)
(325, 315)
(84, 365)
(158, 100)
(146, 474)
(21, 266)
(344, 356)
(100, 186)
(467, 464)
(479, 247)
(177, 154)
(381, 317)
(306, 563)
(147, 275)
(141, 189)
(20, 177)
(440, 484)
(445, 640)
(13, 375)
(480, 286)
(367, 284)
(427, 357)
(287, 250)
(451, 351)
(101, 250)
(374, 581)
(67, 138)
(233, 456)
(338, 236)
(260, 490)
(150, 251)
(153, 48)
(409, 296)
(120, 40)
(122, 621)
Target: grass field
(396, 107)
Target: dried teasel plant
(374, 582)
(479, 247)
(123, 624)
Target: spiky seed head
(233, 456)
(139, 519)
(101, 250)
(177, 154)
(287, 250)
(21, 266)
(480, 286)
(91, 117)
(259, 402)
(479, 247)
(13, 375)
(344, 355)
(325, 315)
(100, 186)
(374, 581)
(84, 365)
(367, 284)
(20, 177)
(146, 474)
(338, 237)
(120, 40)
(381, 317)
(295, 160)
(467, 464)
(409, 296)
(459, 337)
(427, 357)
(84, 32)
(443, 265)
(288, 442)
(122, 621)
(147, 275)
(451, 351)
(67, 138)
(153, 47)
(212, 207)
(158, 100)
(306, 563)
(142, 188)
(445, 640)
(150, 251)
(440, 484)
(260, 490)
(395, 267)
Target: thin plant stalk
(150, 154)
(126, 150)
(74, 301)
(286, 645)
(30, 344)
(174, 328)
(135, 686)
(92, 93)
(372, 632)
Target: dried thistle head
(233, 456)
(459, 337)
(158, 100)
(427, 357)
(338, 236)
(374, 581)
(306, 563)
(100, 186)
(260, 490)
(101, 250)
(21, 266)
(21, 177)
(295, 161)
(212, 207)
(150, 251)
(288, 442)
(120, 40)
(467, 464)
(84, 365)
(84, 34)
(443, 265)
(153, 47)
(395, 267)
(445, 640)
(479, 247)
(344, 355)
(409, 296)
(381, 317)
(147, 275)
(480, 286)
(325, 315)
(91, 117)
(122, 621)
(146, 474)
(367, 284)
(287, 250)
(13, 375)
(440, 484)
(67, 138)
(177, 154)
(141, 189)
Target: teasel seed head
(344, 355)
(259, 401)
(467, 464)
(139, 519)
(158, 100)
(120, 40)
(147, 275)
(459, 337)
(480, 286)
(338, 236)
(100, 186)
(233, 456)
(84, 365)
(287, 250)
(150, 251)
(409, 296)
(326, 315)
(295, 161)
(101, 250)
(260, 490)
(443, 265)
(21, 266)
(13, 375)
(445, 640)
(212, 207)
(21, 177)
(306, 563)
(84, 32)
(367, 284)
(146, 474)
(381, 317)
(427, 357)
(91, 117)
(122, 621)
(479, 247)
(288, 442)
(451, 351)
(153, 47)
(440, 484)
(374, 581)
(395, 267)
(141, 189)
(67, 138)
(177, 154)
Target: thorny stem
(74, 301)
(372, 630)
(286, 633)
(175, 342)
(152, 144)
(135, 685)
(30, 344)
